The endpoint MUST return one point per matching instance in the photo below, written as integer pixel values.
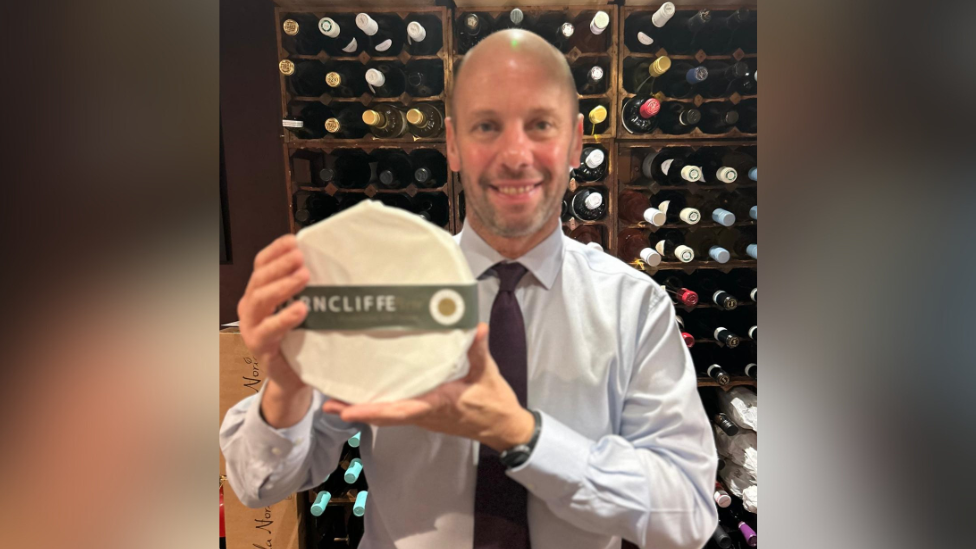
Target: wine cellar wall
(667, 180)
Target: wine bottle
(385, 79)
(688, 339)
(750, 370)
(588, 204)
(718, 117)
(728, 427)
(385, 121)
(735, 516)
(300, 35)
(639, 115)
(706, 246)
(676, 209)
(744, 280)
(686, 31)
(675, 168)
(515, 19)
(749, 83)
(714, 371)
(590, 34)
(305, 78)
(425, 77)
(310, 122)
(347, 122)
(589, 78)
(634, 245)
(393, 169)
(680, 295)
(721, 496)
(636, 207)
(748, 121)
(596, 117)
(432, 207)
(425, 120)
(670, 244)
(589, 235)
(341, 36)
(425, 34)
(385, 33)
(641, 76)
(346, 79)
(554, 27)
(722, 78)
(593, 164)
(471, 29)
(683, 80)
(721, 538)
(430, 168)
(711, 326)
(643, 30)
(708, 283)
(348, 200)
(714, 170)
(718, 39)
(566, 215)
(740, 205)
(711, 209)
(395, 200)
(741, 243)
(318, 206)
(351, 169)
(678, 118)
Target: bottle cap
(372, 118)
(566, 29)
(753, 251)
(326, 174)
(422, 175)
(659, 66)
(721, 297)
(415, 117)
(598, 114)
(754, 212)
(290, 27)
(726, 174)
(754, 173)
(333, 79)
(696, 75)
(595, 159)
(753, 331)
(663, 14)
(600, 22)
(649, 108)
(719, 254)
(359, 508)
(684, 253)
(722, 499)
(516, 16)
(286, 67)
(416, 31)
(593, 201)
(303, 216)
(687, 297)
(386, 177)
(755, 75)
(750, 369)
(332, 126)
(650, 257)
(739, 69)
(644, 39)
(472, 22)
(723, 217)
(375, 78)
(690, 173)
(292, 123)
(690, 216)
(596, 74)
(595, 245)
(367, 24)
(731, 117)
(690, 117)
(328, 27)
(688, 339)
(321, 501)
(655, 217)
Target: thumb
(478, 355)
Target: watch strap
(519, 454)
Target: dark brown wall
(257, 205)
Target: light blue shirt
(626, 449)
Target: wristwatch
(519, 454)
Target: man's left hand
(481, 406)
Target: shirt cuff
(271, 446)
(557, 465)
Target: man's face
(511, 136)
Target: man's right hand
(279, 274)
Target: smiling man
(578, 424)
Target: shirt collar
(543, 261)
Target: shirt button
(276, 451)
(299, 440)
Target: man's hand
(480, 406)
(279, 273)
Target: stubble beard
(488, 216)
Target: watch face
(515, 456)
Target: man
(579, 423)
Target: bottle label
(659, 247)
(644, 39)
(663, 206)
(663, 14)
(351, 46)
(406, 307)
(290, 27)
(384, 45)
(666, 165)
(292, 124)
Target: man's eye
(543, 125)
(484, 127)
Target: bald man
(579, 424)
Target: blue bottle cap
(321, 501)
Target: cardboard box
(277, 526)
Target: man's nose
(515, 153)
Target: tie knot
(509, 275)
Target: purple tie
(500, 503)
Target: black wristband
(519, 454)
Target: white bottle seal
(595, 159)
(375, 78)
(367, 24)
(593, 201)
(416, 31)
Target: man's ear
(453, 154)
